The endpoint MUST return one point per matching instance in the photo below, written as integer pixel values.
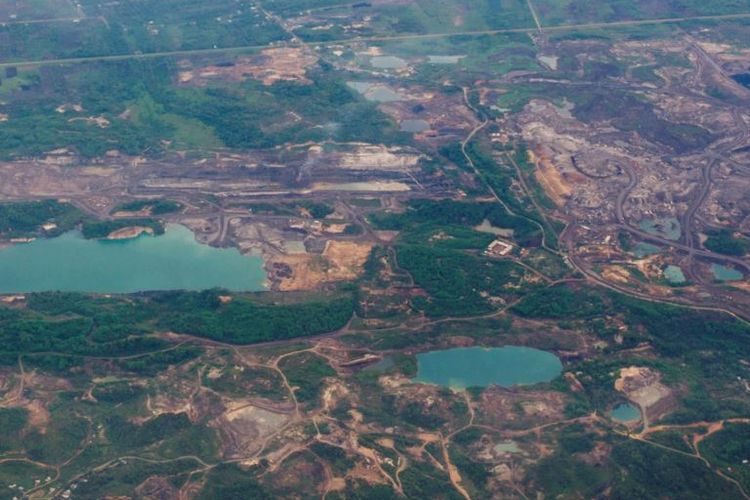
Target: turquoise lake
(478, 366)
(626, 413)
(172, 261)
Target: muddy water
(477, 366)
(171, 261)
(444, 59)
(388, 62)
(375, 92)
(414, 125)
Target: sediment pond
(668, 228)
(724, 273)
(388, 62)
(375, 92)
(478, 366)
(674, 275)
(414, 126)
(172, 261)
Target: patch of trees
(724, 242)
(12, 422)
(122, 432)
(422, 480)
(229, 481)
(244, 321)
(57, 330)
(101, 229)
(560, 302)
(560, 474)
(458, 284)
(650, 472)
(445, 212)
(306, 371)
(26, 218)
(157, 207)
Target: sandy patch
(550, 179)
(129, 232)
(341, 260)
(99, 121)
(374, 186)
(642, 386)
(378, 158)
(270, 66)
(243, 427)
(615, 273)
(38, 415)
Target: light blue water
(674, 275)
(626, 413)
(724, 273)
(171, 261)
(477, 366)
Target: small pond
(667, 227)
(724, 273)
(375, 92)
(642, 250)
(507, 447)
(387, 62)
(414, 126)
(674, 275)
(478, 366)
(625, 412)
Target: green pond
(625, 413)
(172, 261)
(479, 367)
(645, 249)
(724, 273)
(507, 447)
(674, 275)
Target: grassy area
(555, 12)
(27, 218)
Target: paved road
(428, 36)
